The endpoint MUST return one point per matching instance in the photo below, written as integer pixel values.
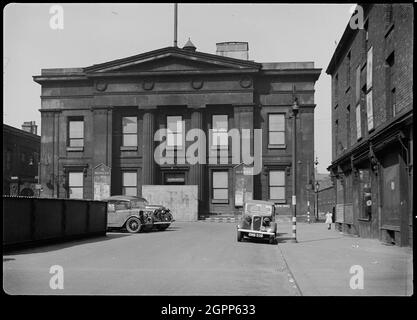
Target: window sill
(278, 201)
(123, 148)
(364, 219)
(171, 148)
(390, 227)
(277, 146)
(220, 201)
(75, 149)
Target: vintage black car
(135, 214)
(258, 221)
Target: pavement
(200, 258)
(322, 259)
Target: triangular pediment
(171, 59)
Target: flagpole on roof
(175, 23)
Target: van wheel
(133, 225)
(272, 240)
(239, 236)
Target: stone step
(221, 218)
(235, 219)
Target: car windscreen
(138, 203)
(258, 208)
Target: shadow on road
(52, 246)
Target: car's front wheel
(272, 240)
(133, 225)
(239, 236)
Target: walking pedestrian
(329, 219)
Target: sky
(96, 33)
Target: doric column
(197, 170)
(148, 166)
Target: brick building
(108, 114)
(21, 150)
(372, 125)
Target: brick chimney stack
(237, 50)
(30, 126)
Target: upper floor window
(358, 84)
(76, 185)
(276, 130)
(175, 132)
(358, 122)
(369, 67)
(76, 133)
(388, 14)
(390, 85)
(220, 137)
(130, 131)
(8, 159)
(348, 59)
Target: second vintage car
(135, 214)
(258, 221)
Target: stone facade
(173, 82)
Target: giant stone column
(148, 166)
(197, 170)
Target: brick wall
(384, 37)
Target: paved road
(198, 258)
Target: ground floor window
(129, 183)
(76, 185)
(220, 185)
(277, 185)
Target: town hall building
(106, 116)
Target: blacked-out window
(76, 185)
(276, 130)
(277, 185)
(76, 133)
(220, 185)
(130, 131)
(129, 183)
(390, 88)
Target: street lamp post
(294, 170)
(316, 216)
(317, 200)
